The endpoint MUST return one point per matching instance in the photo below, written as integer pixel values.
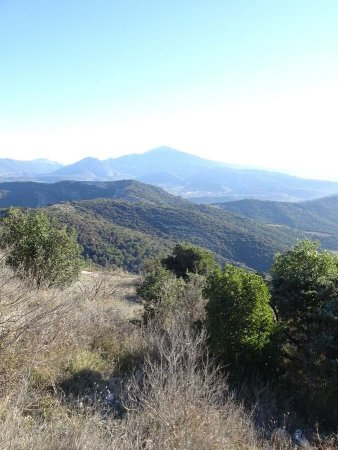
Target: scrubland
(79, 370)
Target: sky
(249, 82)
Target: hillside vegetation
(123, 233)
(318, 218)
(77, 374)
(124, 222)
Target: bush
(40, 248)
(305, 292)
(187, 258)
(240, 321)
(161, 293)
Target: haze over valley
(180, 173)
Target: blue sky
(251, 82)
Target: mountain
(189, 176)
(32, 194)
(196, 178)
(12, 168)
(258, 184)
(88, 169)
(161, 160)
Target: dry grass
(181, 401)
(60, 352)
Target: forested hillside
(123, 232)
(123, 222)
(317, 218)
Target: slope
(317, 218)
(12, 168)
(136, 229)
(32, 194)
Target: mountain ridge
(192, 177)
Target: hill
(124, 232)
(32, 194)
(317, 218)
(125, 221)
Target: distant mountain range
(14, 169)
(180, 173)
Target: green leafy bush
(40, 248)
(187, 258)
(305, 297)
(161, 293)
(172, 287)
(240, 320)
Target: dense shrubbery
(173, 286)
(186, 259)
(305, 297)
(240, 320)
(290, 333)
(40, 248)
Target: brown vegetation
(79, 372)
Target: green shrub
(40, 248)
(305, 296)
(187, 258)
(161, 293)
(240, 321)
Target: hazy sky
(252, 82)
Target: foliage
(187, 258)
(125, 233)
(39, 248)
(240, 321)
(319, 215)
(176, 293)
(301, 278)
(106, 243)
(161, 293)
(305, 296)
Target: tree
(187, 258)
(305, 297)
(301, 280)
(40, 248)
(240, 321)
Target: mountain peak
(164, 149)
